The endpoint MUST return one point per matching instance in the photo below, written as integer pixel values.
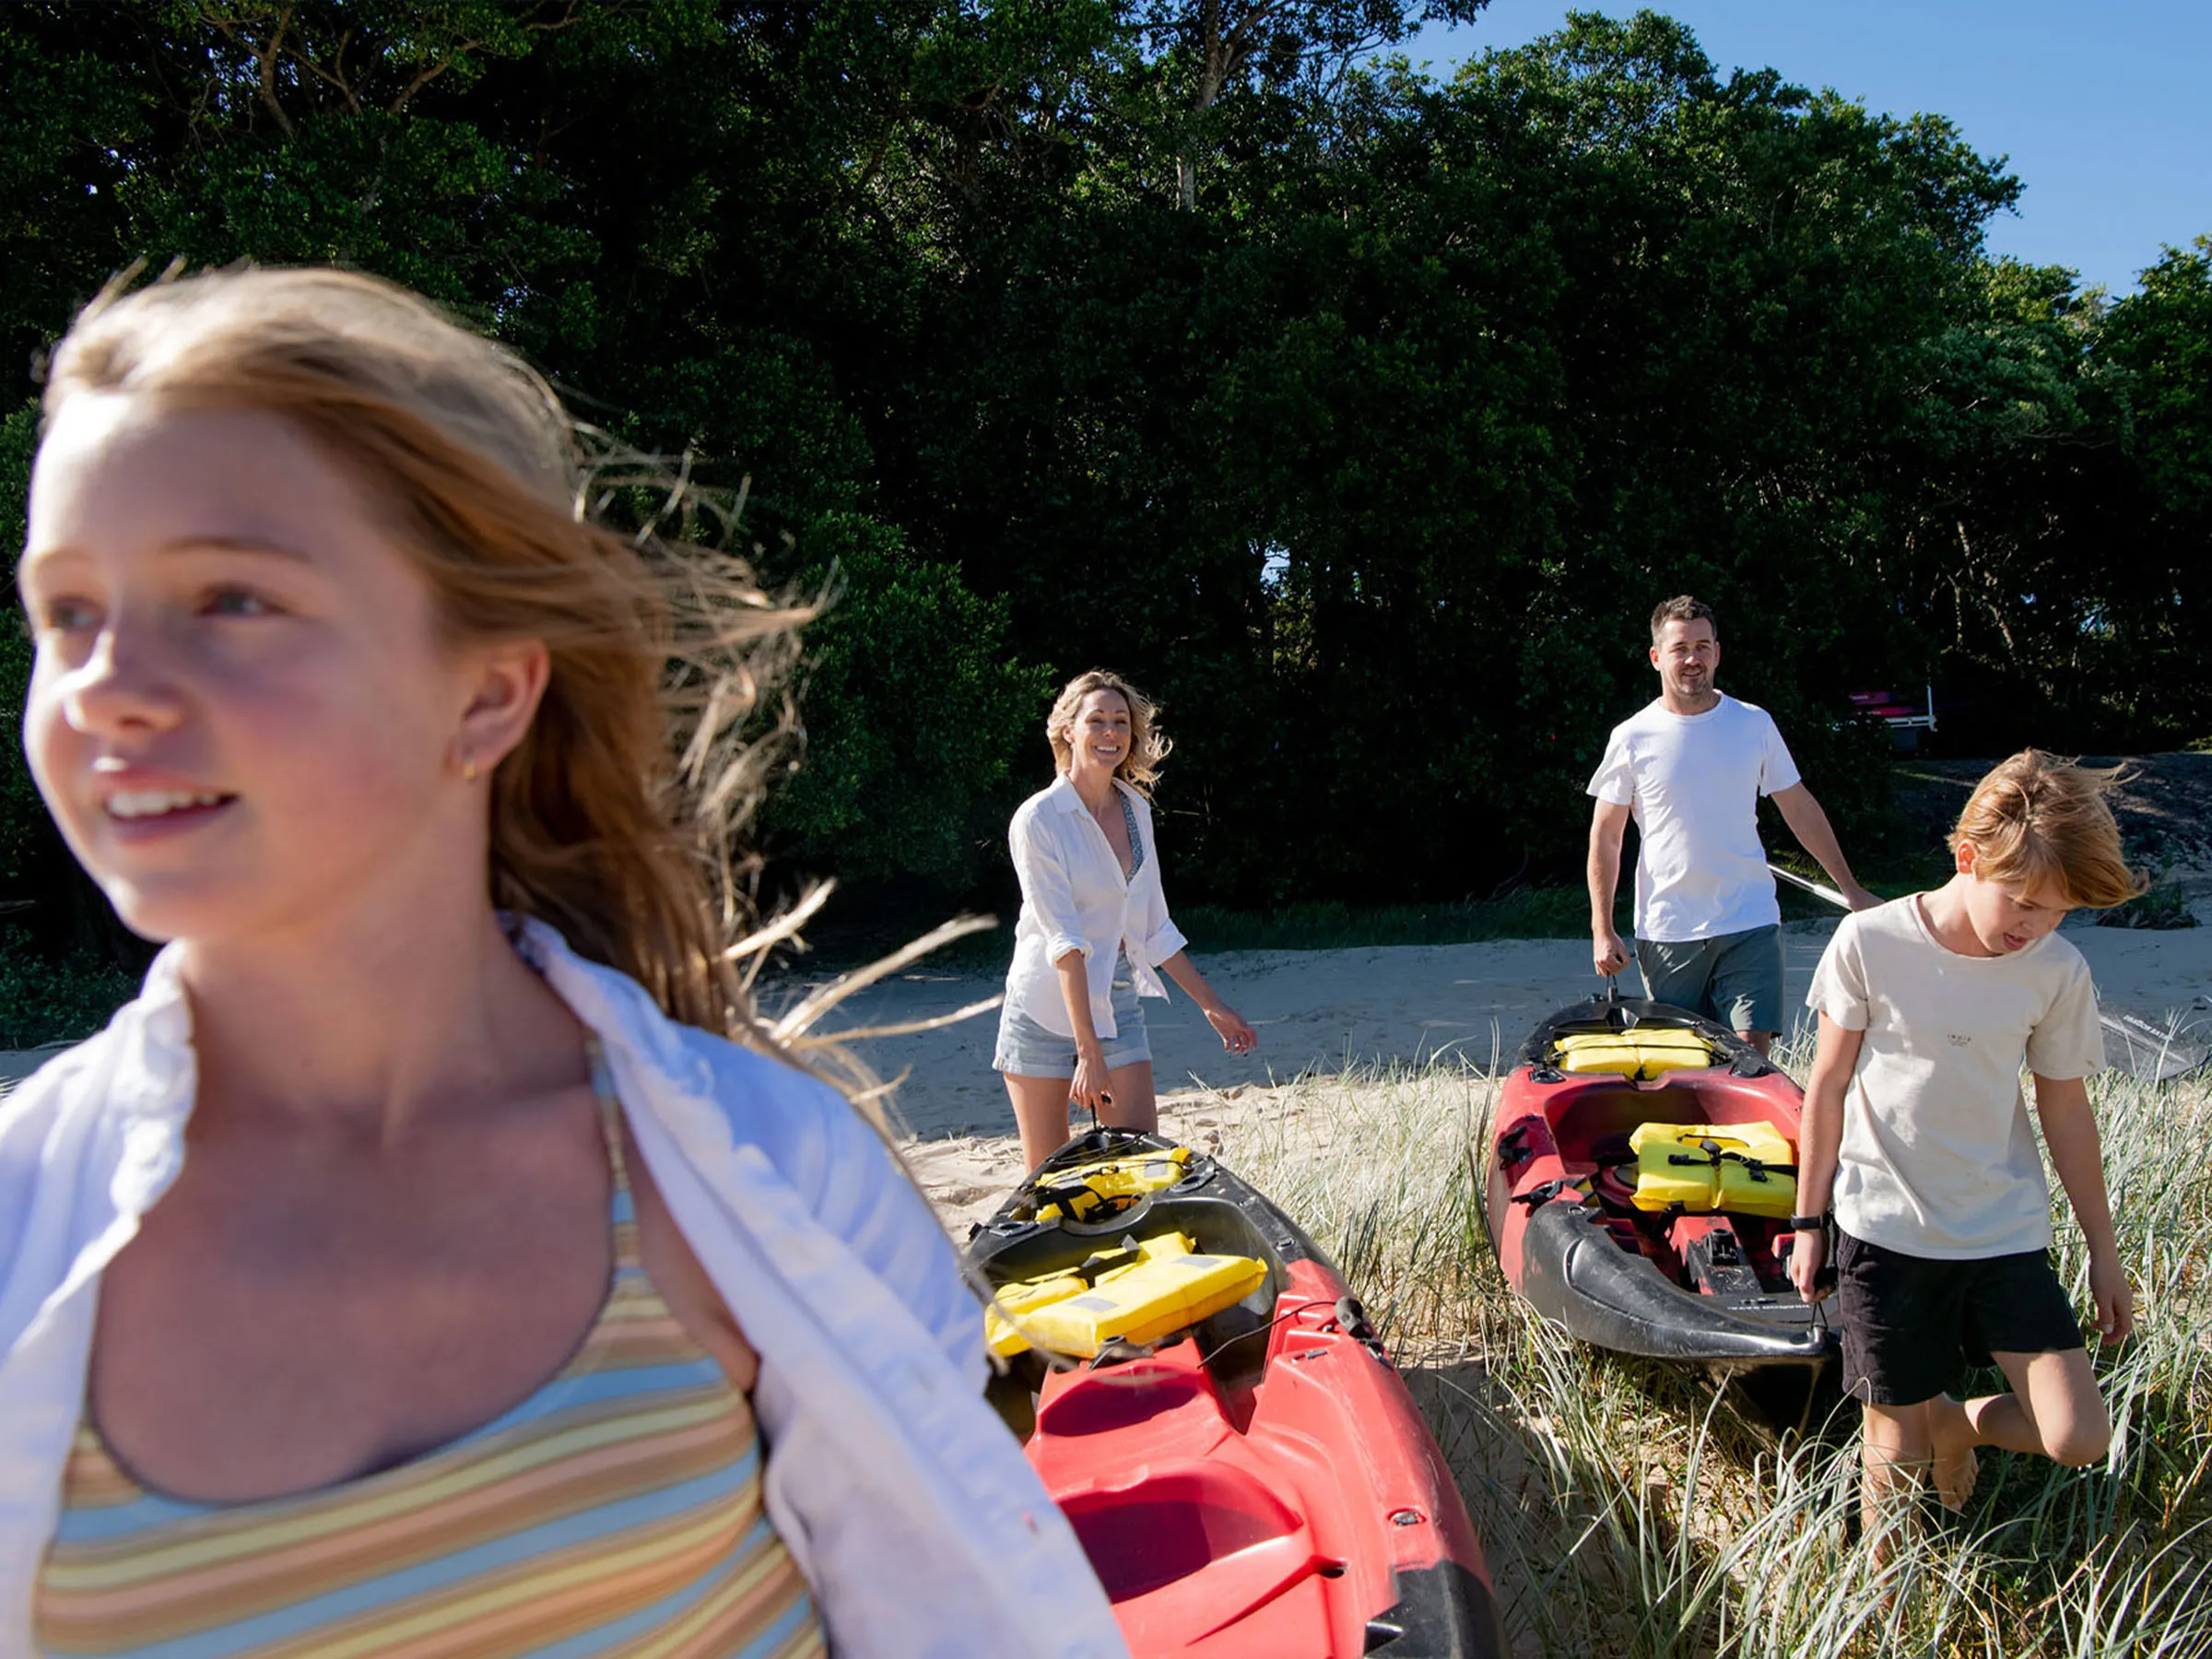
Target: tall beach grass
(1626, 1510)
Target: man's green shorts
(1734, 978)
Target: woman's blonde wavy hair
(1148, 746)
(618, 818)
(2035, 819)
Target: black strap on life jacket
(1716, 1155)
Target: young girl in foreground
(395, 1275)
(1915, 1120)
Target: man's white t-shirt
(1938, 1158)
(1692, 782)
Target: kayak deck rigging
(1638, 1189)
(1255, 1480)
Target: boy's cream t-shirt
(1938, 1158)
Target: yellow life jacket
(1137, 1295)
(1738, 1167)
(1110, 1184)
(1634, 1053)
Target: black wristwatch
(1808, 1224)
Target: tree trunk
(1210, 79)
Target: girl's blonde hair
(614, 820)
(2035, 819)
(1148, 745)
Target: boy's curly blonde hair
(2036, 818)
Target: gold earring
(468, 768)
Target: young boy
(1915, 1126)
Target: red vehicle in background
(1905, 719)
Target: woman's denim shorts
(1028, 1050)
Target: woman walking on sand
(1094, 928)
(417, 1266)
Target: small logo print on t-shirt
(1956, 1040)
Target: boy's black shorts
(1910, 1324)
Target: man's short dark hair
(1683, 607)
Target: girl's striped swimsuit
(617, 1510)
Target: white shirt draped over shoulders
(917, 1521)
(1074, 897)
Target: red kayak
(1642, 1177)
(1241, 1460)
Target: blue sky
(2105, 110)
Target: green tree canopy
(1360, 417)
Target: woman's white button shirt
(1074, 897)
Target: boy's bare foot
(1955, 1478)
(1953, 1468)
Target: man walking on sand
(1690, 768)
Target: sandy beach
(1323, 1011)
(1329, 1011)
(1318, 1012)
